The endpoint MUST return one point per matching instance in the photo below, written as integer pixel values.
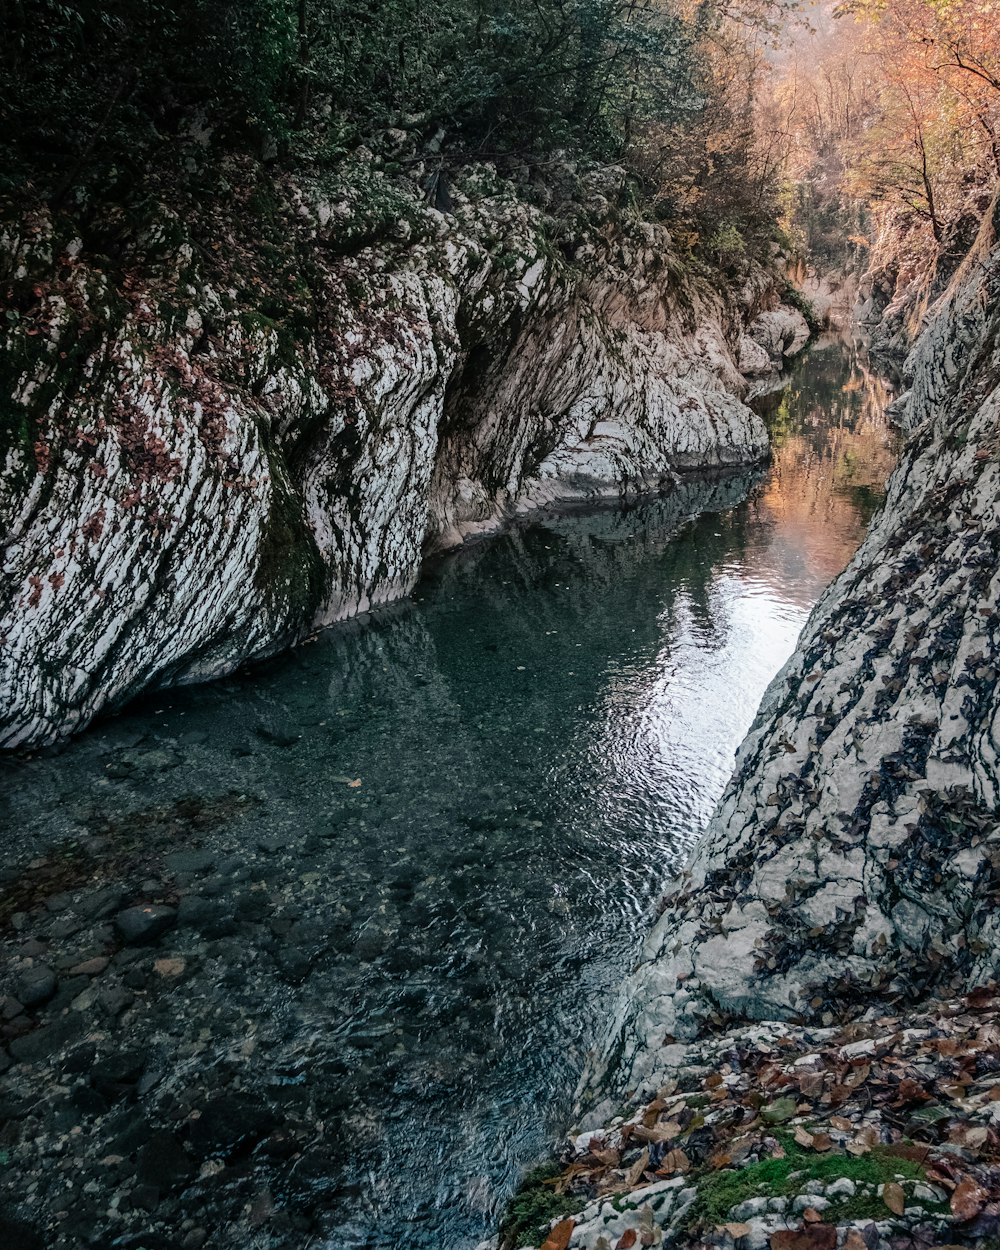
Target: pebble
(90, 967)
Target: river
(413, 859)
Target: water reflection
(832, 458)
(458, 812)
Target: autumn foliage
(890, 112)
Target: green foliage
(533, 1208)
(794, 297)
(101, 83)
(501, 74)
(726, 249)
(120, 102)
(94, 85)
(719, 1192)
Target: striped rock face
(186, 486)
(854, 858)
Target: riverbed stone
(145, 923)
(34, 986)
(228, 1123)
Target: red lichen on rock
(93, 527)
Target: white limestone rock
(190, 500)
(883, 812)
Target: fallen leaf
(854, 1241)
(662, 1132)
(355, 783)
(811, 1084)
(803, 1137)
(894, 1198)
(968, 1199)
(809, 1237)
(909, 1092)
(899, 1150)
(562, 1182)
(628, 1239)
(637, 1169)
(673, 1161)
(940, 1178)
(736, 1230)
(558, 1238)
(822, 1141)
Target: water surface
(427, 844)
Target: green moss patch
(534, 1207)
(719, 1192)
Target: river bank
(215, 449)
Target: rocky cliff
(211, 450)
(851, 860)
(846, 891)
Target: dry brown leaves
(808, 1237)
(558, 1238)
(968, 1200)
(894, 1197)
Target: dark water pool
(412, 859)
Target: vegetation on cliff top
(888, 113)
(101, 99)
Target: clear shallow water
(451, 821)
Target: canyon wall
(191, 479)
(854, 861)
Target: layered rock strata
(854, 857)
(189, 483)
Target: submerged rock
(34, 985)
(145, 923)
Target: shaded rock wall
(908, 271)
(855, 857)
(188, 484)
